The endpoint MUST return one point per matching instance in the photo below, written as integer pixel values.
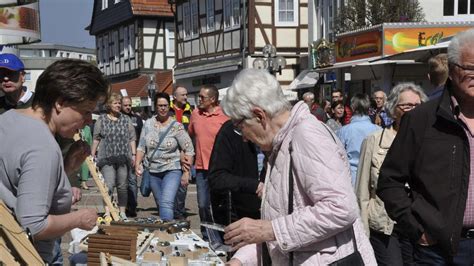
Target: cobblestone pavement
(146, 208)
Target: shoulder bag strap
(162, 137)
(290, 193)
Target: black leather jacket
(431, 153)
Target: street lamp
(270, 62)
(152, 92)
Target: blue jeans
(132, 190)
(204, 205)
(164, 187)
(57, 253)
(432, 255)
(180, 202)
(393, 249)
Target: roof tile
(138, 87)
(151, 7)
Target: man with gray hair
(433, 154)
(378, 114)
(314, 108)
(353, 134)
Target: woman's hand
(186, 162)
(75, 156)
(76, 195)
(259, 191)
(248, 231)
(138, 169)
(88, 218)
(185, 179)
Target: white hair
(254, 88)
(458, 42)
(394, 96)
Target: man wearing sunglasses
(12, 76)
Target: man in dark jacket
(233, 177)
(181, 110)
(432, 153)
(132, 179)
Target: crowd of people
(379, 180)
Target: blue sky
(63, 22)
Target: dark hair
(162, 95)
(213, 91)
(336, 103)
(360, 104)
(338, 91)
(71, 80)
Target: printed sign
(359, 46)
(19, 22)
(399, 40)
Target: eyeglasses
(203, 97)
(469, 69)
(12, 76)
(237, 126)
(407, 106)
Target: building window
(99, 49)
(231, 14)
(125, 42)
(131, 44)
(458, 7)
(116, 46)
(186, 20)
(169, 39)
(195, 17)
(462, 7)
(448, 7)
(210, 14)
(286, 12)
(105, 4)
(106, 48)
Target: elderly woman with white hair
(309, 210)
(390, 245)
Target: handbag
(354, 259)
(145, 188)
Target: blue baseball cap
(11, 61)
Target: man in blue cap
(12, 77)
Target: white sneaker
(123, 217)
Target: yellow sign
(402, 39)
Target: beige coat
(372, 209)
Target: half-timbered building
(135, 44)
(215, 39)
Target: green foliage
(363, 13)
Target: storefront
(365, 59)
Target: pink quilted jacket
(324, 206)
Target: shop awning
(214, 67)
(352, 63)
(306, 79)
(421, 54)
